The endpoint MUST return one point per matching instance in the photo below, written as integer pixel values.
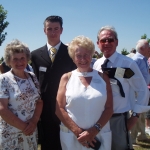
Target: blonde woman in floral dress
(20, 101)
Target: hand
(86, 138)
(31, 126)
(131, 122)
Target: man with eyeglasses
(50, 62)
(124, 78)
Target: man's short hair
(109, 28)
(54, 19)
(133, 50)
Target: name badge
(119, 72)
(43, 69)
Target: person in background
(49, 63)
(147, 128)
(141, 58)
(4, 68)
(84, 101)
(20, 101)
(132, 53)
(124, 77)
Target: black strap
(111, 72)
(120, 87)
(104, 67)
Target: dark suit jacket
(49, 80)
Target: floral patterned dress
(22, 95)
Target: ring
(86, 142)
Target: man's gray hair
(109, 28)
(141, 44)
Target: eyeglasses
(109, 40)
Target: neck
(84, 70)
(20, 74)
(53, 43)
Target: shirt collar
(140, 55)
(112, 58)
(56, 46)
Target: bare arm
(106, 115)
(60, 107)
(9, 117)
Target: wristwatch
(134, 114)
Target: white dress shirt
(135, 84)
(56, 46)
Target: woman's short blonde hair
(13, 47)
(81, 41)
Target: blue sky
(131, 18)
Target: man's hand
(131, 122)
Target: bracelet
(98, 126)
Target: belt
(117, 114)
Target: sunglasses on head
(109, 40)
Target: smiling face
(18, 62)
(53, 30)
(107, 43)
(82, 59)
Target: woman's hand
(86, 138)
(30, 128)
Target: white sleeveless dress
(85, 106)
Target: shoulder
(125, 58)
(6, 76)
(63, 46)
(36, 51)
(98, 63)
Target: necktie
(53, 53)
(104, 65)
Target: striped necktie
(53, 53)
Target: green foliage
(145, 37)
(124, 52)
(1, 60)
(3, 24)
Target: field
(140, 145)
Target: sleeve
(138, 84)
(4, 91)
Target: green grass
(140, 145)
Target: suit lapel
(61, 52)
(45, 55)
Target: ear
(44, 30)
(116, 42)
(98, 44)
(61, 30)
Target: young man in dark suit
(50, 62)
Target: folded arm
(60, 107)
(9, 117)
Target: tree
(145, 37)
(124, 52)
(3, 24)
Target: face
(147, 50)
(107, 43)
(82, 59)
(53, 31)
(18, 61)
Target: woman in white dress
(20, 101)
(84, 102)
